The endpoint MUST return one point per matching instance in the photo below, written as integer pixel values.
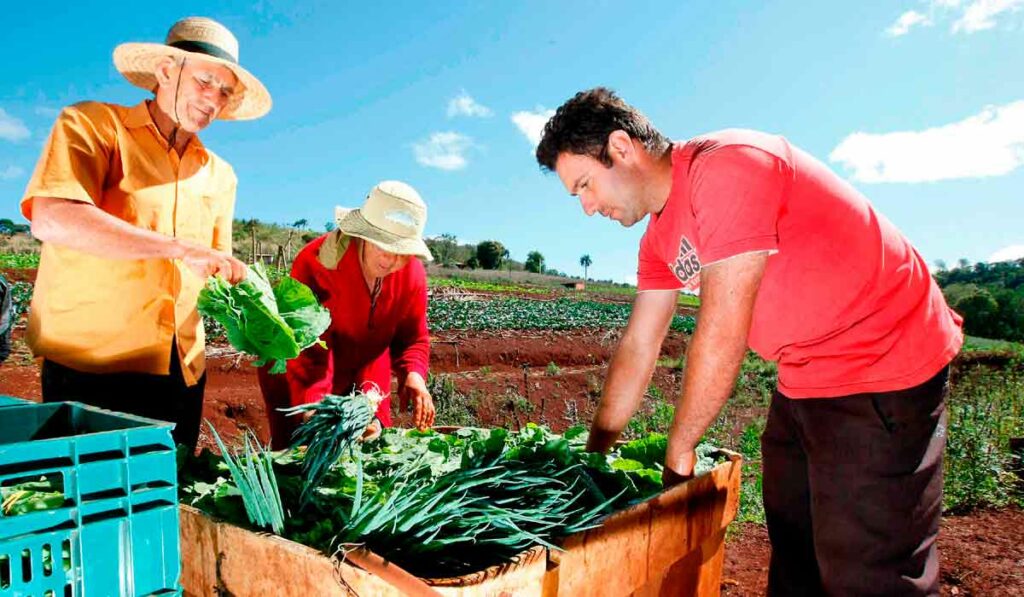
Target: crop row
(525, 314)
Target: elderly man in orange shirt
(134, 214)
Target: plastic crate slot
(16, 468)
(68, 591)
(32, 493)
(152, 485)
(26, 566)
(101, 516)
(5, 572)
(152, 506)
(106, 494)
(98, 456)
(65, 555)
(47, 560)
(149, 449)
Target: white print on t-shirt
(687, 266)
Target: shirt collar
(139, 116)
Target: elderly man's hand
(206, 262)
(414, 392)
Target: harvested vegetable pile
(448, 504)
(272, 324)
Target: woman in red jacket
(365, 274)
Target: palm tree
(507, 257)
(586, 262)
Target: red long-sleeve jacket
(366, 338)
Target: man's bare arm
(728, 291)
(632, 365)
(86, 228)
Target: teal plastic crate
(111, 527)
(12, 401)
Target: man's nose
(587, 203)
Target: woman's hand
(372, 431)
(414, 392)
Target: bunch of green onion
(253, 473)
(334, 425)
(467, 519)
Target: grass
(974, 343)
(986, 410)
(471, 284)
(19, 260)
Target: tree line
(989, 296)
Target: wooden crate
(671, 544)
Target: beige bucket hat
(393, 218)
(197, 37)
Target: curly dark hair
(582, 125)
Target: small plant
(553, 369)
(485, 370)
(453, 407)
(986, 409)
(655, 415)
(751, 502)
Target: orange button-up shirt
(104, 315)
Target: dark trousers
(853, 492)
(161, 397)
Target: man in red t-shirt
(793, 262)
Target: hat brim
(138, 61)
(353, 223)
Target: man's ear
(620, 146)
(165, 71)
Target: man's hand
(678, 468)
(414, 392)
(631, 366)
(206, 262)
(601, 440)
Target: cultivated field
(504, 354)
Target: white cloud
(531, 124)
(990, 143)
(1010, 253)
(11, 128)
(906, 22)
(981, 14)
(465, 105)
(11, 172)
(444, 150)
(968, 17)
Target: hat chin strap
(176, 119)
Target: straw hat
(196, 37)
(392, 218)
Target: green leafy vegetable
(273, 324)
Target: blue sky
(919, 102)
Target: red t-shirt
(846, 304)
(362, 341)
